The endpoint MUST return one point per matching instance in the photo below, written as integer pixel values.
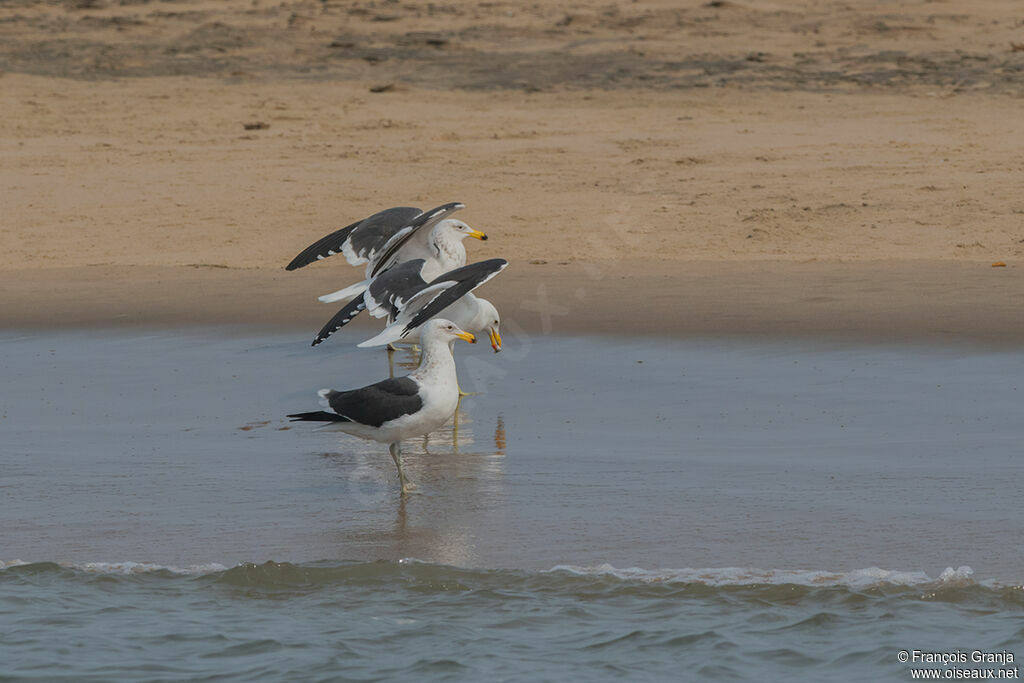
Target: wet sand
(173, 449)
(889, 302)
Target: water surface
(600, 502)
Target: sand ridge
(657, 44)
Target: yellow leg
(455, 425)
(396, 455)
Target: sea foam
(744, 576)
(126, 567)
(714, 576)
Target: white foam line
(126, 567)
(740, 576)
(716, 576)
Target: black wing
(317, 416)
(340, 319)
(373, 233)
(378, 403)
(425, 220)
(399, 282)
(465, 279)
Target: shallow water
(139, 469)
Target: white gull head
(447, 238)
(487, 320)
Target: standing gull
(408, 300)
(391, 237)
(395, 409)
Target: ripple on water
(399, 619)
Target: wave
(390, 620)
(326, 572)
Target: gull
(404, 296)
(390, 237)
(402, 407)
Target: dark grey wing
(378, 403)
(424, 221)
(392, 286)
(323, 247)
(373, 234)
(464, 279)
(381, 227)
(340, 319)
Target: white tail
(389, 335)
(347, 293)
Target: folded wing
(377, 403)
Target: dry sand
(813, 168)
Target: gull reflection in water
(460, 483)
(499, 436)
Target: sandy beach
(831, 169)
